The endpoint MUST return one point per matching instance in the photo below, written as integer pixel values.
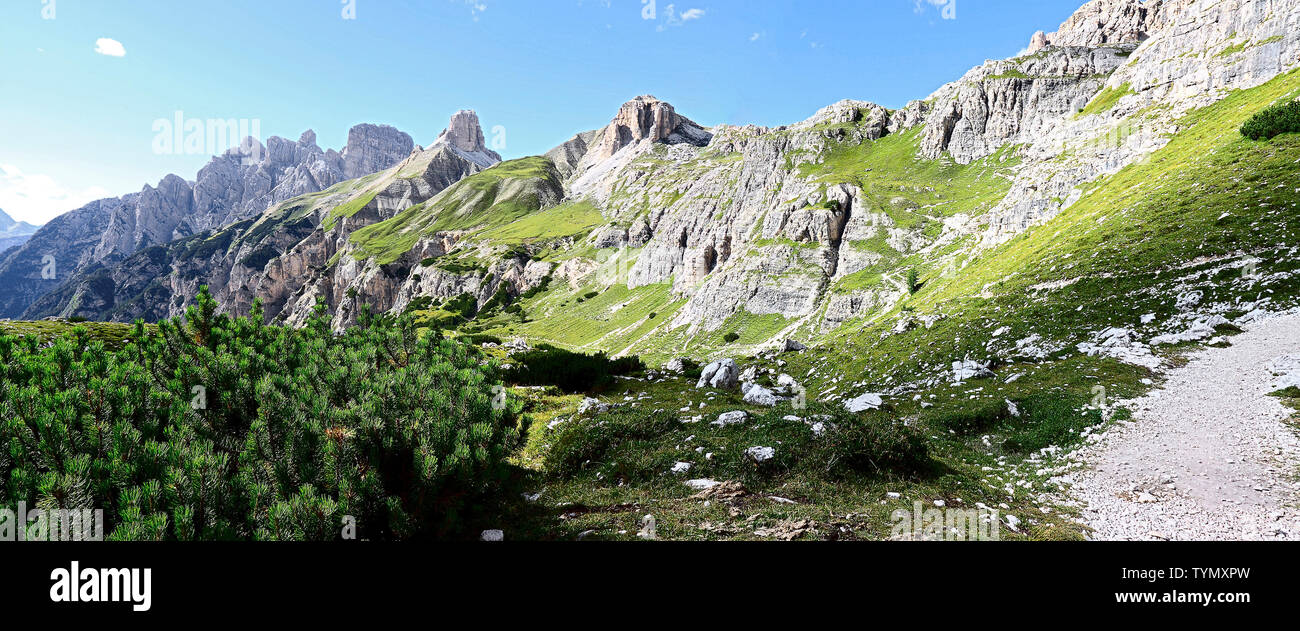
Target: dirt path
(1207, 457)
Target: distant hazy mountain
(14, 232)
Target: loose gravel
(1209, 456)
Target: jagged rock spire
(465, 136)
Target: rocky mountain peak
(646, 118)
(1103, 22)
(464, 135)
(373, 148)
(464, 132)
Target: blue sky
(77, 120)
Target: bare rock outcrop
(1110, 22)
(464, 135)
(373, 148)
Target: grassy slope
(1169, 224)
(113, 335)
(498, 196)
(570, 219)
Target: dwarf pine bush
(1273, 121)
(220, 427)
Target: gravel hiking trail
(1209, 456)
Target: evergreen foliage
(220, 427)
(572, 372)
(1274, 121)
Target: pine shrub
(220, 427)
(572, 372)
(1273, 121)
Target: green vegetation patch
(1106, 100)
(221, 428)
(906, 187)
(495, 197)
(570, 219)
(1283, 118)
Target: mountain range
(14, 233)
(655, 235)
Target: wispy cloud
(692, 14)
(110, 47)
(755, 37)
(39, 198)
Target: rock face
(465, 136)
(645, 118)
(14, 233)
(234, 186)
(1109, 22)
(283, 256)
(373, 148)
(1013, 101)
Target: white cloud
(39, 198)
(110, 47)
(692, 14)
(755, 37)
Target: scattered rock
(593, 407)
(731, 418)
(1200, 329)
(758, 395)
(702, 484)
(492, 535)
(725, 491)
(793, 346)
(677, 365)
(869, 401)
(970, 369)
(722, 375)
(760, 454)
